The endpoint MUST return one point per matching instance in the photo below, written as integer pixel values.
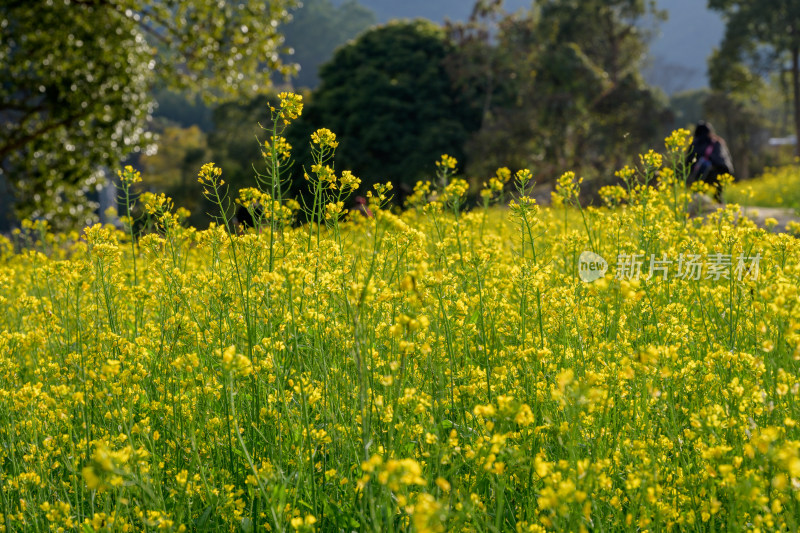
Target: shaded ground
(782, 214)
(702, 205)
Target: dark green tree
(761, 36)
(743, 125)
(560, 85)
(688, 107)
(317, 29)
(75, 81)
(185, 109)
(597, 104)
(390, 100)
(489, 65)
(235, 139)
(173, 168)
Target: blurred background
(553, 85)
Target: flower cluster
(431, 370)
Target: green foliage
(391, 103)
(317, 28)
(234, 139)
(761, 37)
(428, 372)
(687, 107)
(234, 142)
(173, 168)
(740, 120)
(595, 99)
(179, 149)
(75, 98)
(183, 108)
(754, 23)
(560, 85)
(744, 120)
(777, 187)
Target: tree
(760, 36)
(173, 168)
(688, 107)
(76, 76)
(234, 140)
(489, 65)
(597, 105)
(560, 84)
(389, 99)
(182, 108)
(317, 29)
(741, 122)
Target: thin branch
(25, 139)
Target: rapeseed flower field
(777, 187)
(509, 368)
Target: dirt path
(760, 214)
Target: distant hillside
(678, 53)
(436, 10)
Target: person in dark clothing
(708, 157)
(244, 219)
(362, 206)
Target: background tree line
(557, 86)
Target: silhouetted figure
(361, 206)
(244, 218)
(708, 157)
(402, 194)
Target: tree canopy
(317, 29)
(390, 101)
(560, 85)
(76, 79)
(761, 36)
